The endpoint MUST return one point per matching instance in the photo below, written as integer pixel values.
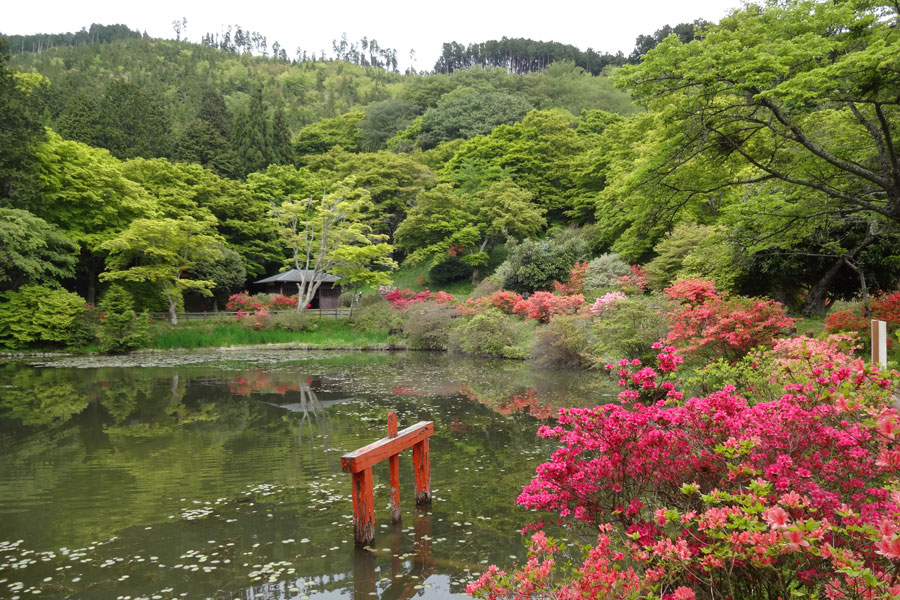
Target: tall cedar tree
(248, 136)
(20, 132)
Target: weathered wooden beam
(376, 452)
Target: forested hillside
(746, 157)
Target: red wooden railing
(359, 463)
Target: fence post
(394, 468)
(422, 471)
(363, 507)
(879, 343)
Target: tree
(383, 120)
(466, 113)
(19, 135)
(84, 192)
(445, 224)
(791, 103)
(32, 250)
(537, 154)
(227, 272)
(122, 330)
(163, 251)
(282, 151)
(184, 189)
(392, 180)
(323, 135)
(327, 234)
(202, 143)
(133, 122)
(249, 136)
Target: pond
(217, 474)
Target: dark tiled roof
(293, 276)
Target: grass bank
(214, 333)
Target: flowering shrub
(634, 281)
(503, 300)
(543, 305)
(646, 383)
(845, 320)
(604, 302)
(692, 291)
(402, 299)
(715, 498)
(721, 325)
(245, 303)
(282, 302)
(575, 284)
(886, 307)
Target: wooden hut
(327, 296)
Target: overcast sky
(604, 25)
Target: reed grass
(327, 333)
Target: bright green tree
(792, 104)
(122, 330)
(84, 192)
(392, 180)
(32, 250)
(447, 224)
(323, 135)
(163, 252)
(327, 233)
(536, 153)
(36, 314)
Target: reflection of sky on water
(151, 475)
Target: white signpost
(879, 343)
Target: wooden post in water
(422, 471)
(359, 463)
(879, 343)
(363, 507)
(394, 468)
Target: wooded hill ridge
(790, 187)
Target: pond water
(217, 475)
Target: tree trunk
(815, 300)
(173, 304)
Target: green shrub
(565, 342)
(535, 264)
(374, 314)
(629, 328)
(36, 314)
(428, 325)
(753, 373)
(691, 251)
(604, 271)
(289, 320)
(448, 270)
(493, 333)
(122, 330)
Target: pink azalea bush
(503, 300)
(712, 324)
(541, 306)
(604, 302)
(714, 497)
(403, 299)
